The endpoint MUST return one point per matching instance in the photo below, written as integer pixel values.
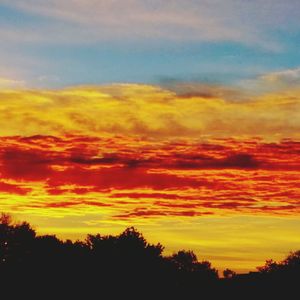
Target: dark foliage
(124, 266)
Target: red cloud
(25, 164)
(13, 189)
(148, 213)
(182, 177)
(120, 178)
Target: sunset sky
(181, 118)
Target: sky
(180, 118)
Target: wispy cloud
(287, 77)
(6, 83)
(238, 21)
(276, 81)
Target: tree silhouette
(228, 274)
(185, 260)
(124, 265)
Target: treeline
(125, 265)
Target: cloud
(273, 82)
(289, 77)
(9, 188)
(133, 178)
(6, 83)
(133, 19)
(149, 111)
(28, 165)
(197, 89)
(150, 213)
(238, 161)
